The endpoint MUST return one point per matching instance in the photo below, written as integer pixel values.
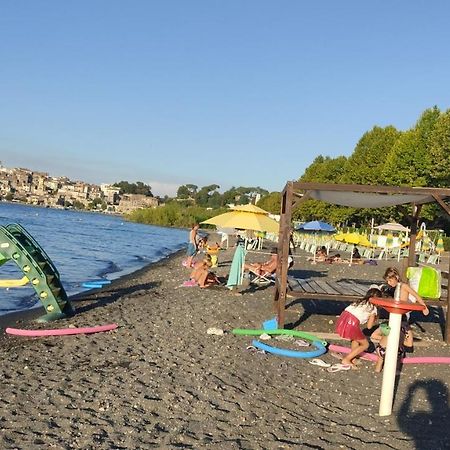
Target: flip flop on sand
(189, 283)
(253, 349)
(337, 355)
(339, 367)
(302, 343)
(319, 362)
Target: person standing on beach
(192, 245)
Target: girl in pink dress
(349, 324)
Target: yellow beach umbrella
(352, 238)
(245, 220)
(249, 208)
(364, 241)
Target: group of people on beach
(202, 275)
(322, 255)
(359, 314)
(363, 313)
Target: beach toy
(60, 331)
(95, 284)
(407, 360)
(14, 283)
(426, 281)
(271, 324)
(321, 349)
(395, 308)
(18, 246)
(294, 333)
(320, 345)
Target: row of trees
(419, 156)
(210, 197)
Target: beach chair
(267, 277)
(259, 279)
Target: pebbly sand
(160, 381)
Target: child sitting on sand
(349, 322)
(381, 334)
(201, 274)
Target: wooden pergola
(359, 196)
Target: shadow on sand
(425, 415)
(108, 296)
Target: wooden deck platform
(339, 290)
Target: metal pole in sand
(390, 365)
(395, 309)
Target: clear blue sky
(241, 93)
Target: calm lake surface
(84, 246)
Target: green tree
(439, 152)
(271, 202)
(134, 188)
(203, 195)
(187, 191)
(325, 170)
(365, 165)
(408, 162)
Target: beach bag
(426, 281)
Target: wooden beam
(301, 186)
(442, 204)
(300, 199)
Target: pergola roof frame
(297, 192)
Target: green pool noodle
(294, 333)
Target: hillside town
(39, 188)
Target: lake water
(84, 246)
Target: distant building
(130, 202)
(111, 193)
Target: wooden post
(447, 326)
(413, 234)
(283, 253)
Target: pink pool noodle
(412, 360)
(61, 331)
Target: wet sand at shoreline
(160, 381)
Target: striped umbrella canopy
(389, 240)
(440, 245)
(426, 244)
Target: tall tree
(439, 149)
(187, 191)
(203, 195)
(408, 161)
(271, 202)
(365, 165)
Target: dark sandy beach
(160, 381)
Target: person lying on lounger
(266, 267)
